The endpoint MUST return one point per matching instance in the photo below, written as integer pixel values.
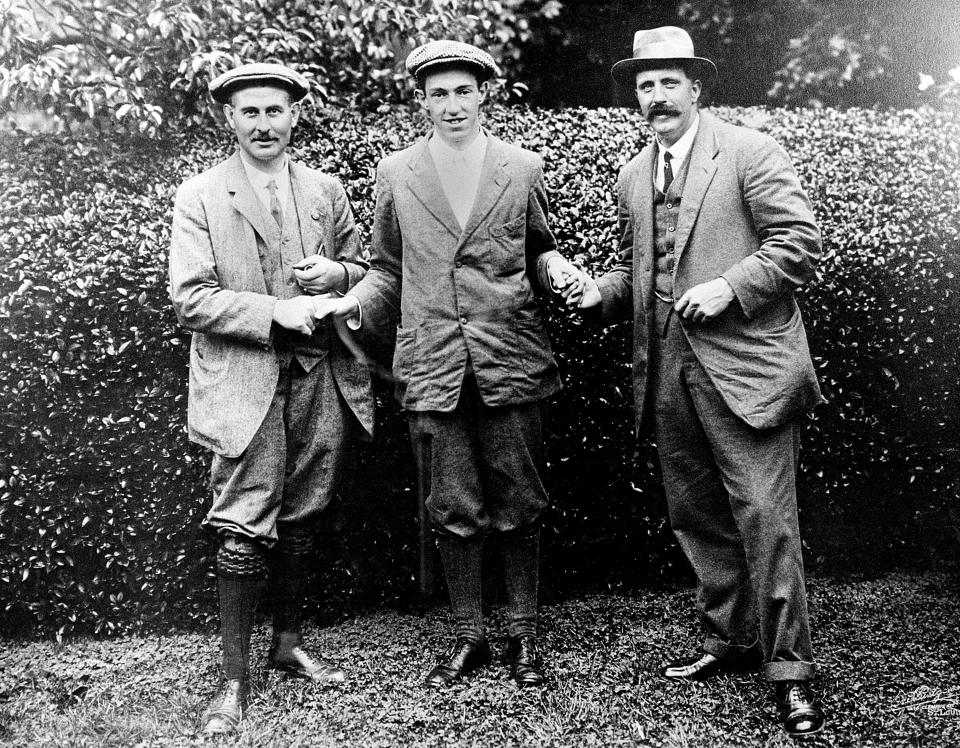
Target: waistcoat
(666, 211)
(278, 253)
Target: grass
(879, 643)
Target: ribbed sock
(521, 571)
(462, 560)
(241, 577)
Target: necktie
(275, 210)
(667, 170)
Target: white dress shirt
(678, 152)
(459, 172)
(260, 179)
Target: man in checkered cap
(273, 394)
(462, 249)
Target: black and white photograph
(475, 373)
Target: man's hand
(566, 280)
(591, 292)
(705, 301)
(295, 314)
(317, 274)
(345, 306)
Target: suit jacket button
(672, 228)
(463, 320)
(459, 264)
(315, 215)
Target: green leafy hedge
(101, 494)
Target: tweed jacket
(218, 291)
(745, 217)
(462, 293)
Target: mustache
(662, 109)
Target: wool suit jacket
(745, 217)
(460, 293)
(218, 291)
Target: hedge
(101, 494)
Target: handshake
(571, 284)
(318, 277)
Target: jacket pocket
(513, 227)
(404, 355)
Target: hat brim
(699, 68)
(223, 93)
(483, 72)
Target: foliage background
(101, 494)
(143, 65)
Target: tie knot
(667, 156)
(272, 186)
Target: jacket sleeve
(199, 301)
(616, 287)
(789, 240)
(347, 250)
(540, 242)
(379, 290)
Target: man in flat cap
(461, 246)
(716, 236)
(272, 392)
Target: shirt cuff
(354, 322)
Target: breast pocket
(507, 251)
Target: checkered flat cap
(446, 52)
(258, 74)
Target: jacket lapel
(310, 216)
(493, 181)
(424, 183)
(702, 167)
(244, 199)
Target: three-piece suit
(724, 396)
(277, 408)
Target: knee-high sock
(291, 569)
(521, 571)
(462, 560)
(241, 577)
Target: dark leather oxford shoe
(800, 714)
(464, 657)
(523, 656)
(703, 666)
(296, 661)
(225, 710)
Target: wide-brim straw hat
(259, 74)
(666, 46)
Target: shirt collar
(471, 154)
(260, 179)
(680, 149)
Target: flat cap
(447, 52)
(258, 74)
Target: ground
(887, 648)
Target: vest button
(459, 264)
(463, 320)
(672, 228)
(669, 205)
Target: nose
(659, 93)
(263, 123)
(452, 104)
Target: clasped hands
(318, 276)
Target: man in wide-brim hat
(716, 235)
(461, 246)
(272, 393)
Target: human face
(452, 98)
(668, 101)
(263, 119)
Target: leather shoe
(464, 657)
(523, 656)
(800, 714)
(703, 666)
(225, 710)
(296, 661)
